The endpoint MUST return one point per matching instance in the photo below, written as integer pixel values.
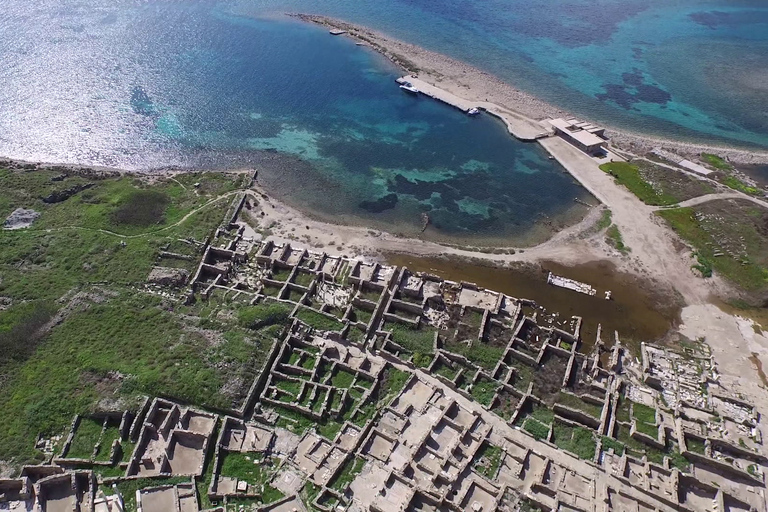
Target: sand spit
(477, 85)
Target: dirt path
(721, 195)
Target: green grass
(269, 494)
(622, 434)
(130, 334)
(473, 318)
(318, 320)
(18, 325)
(577, 440)
(293, 358)
(647, 429)
(543, 414)
(355, 335)
(483, 391)
(290, 386)
(293, 421)
(244, 466)
(445, 370)
(421, 360)
(484, 355)
(415, 341)
(111, 434)
(126, 447)
(309, 493)
(329, 429)
(361, 315)
(716, 161)
(704, 265)
(605, 220)
(303, 278)
(112, 471)
(141, 208)
(306, 400)
(736, 184)
(522, 377)
(85, 439)
(676, 459)
(538, 430)
(270, 290)
(309, 362)
(488, 460)
(347, 474)
(370, 295)
(317, 405)
(614, 239)
(294, 295)
(116, 342)
(644, 413)
(609, 442)
(365, 413)
(123, 205)
(281, 274)
(342, 379)
(392, 382)
(629, 175)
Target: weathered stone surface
(20, 218)
(166, 276)
(63, 195)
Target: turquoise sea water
(688, 69)
(199, 83)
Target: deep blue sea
(147, 84)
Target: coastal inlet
(354, 147)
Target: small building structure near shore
(585, 136)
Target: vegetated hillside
(78, 330)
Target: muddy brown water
(637, 310)
(759, 173)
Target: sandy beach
(476, 85)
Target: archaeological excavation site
(389, 390)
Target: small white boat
(407, 87)
(473, 111)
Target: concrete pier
(437, 93)
(518, 125)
